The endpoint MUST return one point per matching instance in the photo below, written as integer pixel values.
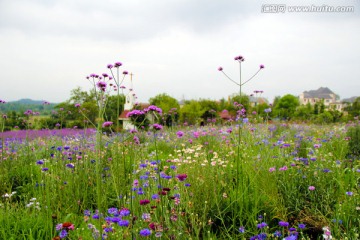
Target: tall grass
(279, 165)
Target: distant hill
(24, 104)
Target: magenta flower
(107, 124)
(118, 64)
(144, 202)
(101, 85)
(220, 69)
(180, 134)
(105, 75)
(77, 105)
(311, 188)
(181, 177)
(262, 66)
(125, 72)
(110, 66)
(157, 126)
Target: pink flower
(311, 188)
(272, 169)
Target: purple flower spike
(118, 64)
(110, 66)
(262, 66)
(220, 69)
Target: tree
(111, 108)
(191, 112)
(354, 108)
(165, 102)
(169, 106)
(286, 106)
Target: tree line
(81, 111)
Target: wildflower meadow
(240, 179)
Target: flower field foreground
(292, 182)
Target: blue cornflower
(283, 224)
(113, 211)
(123, 223)
(277, 234)
(143, 165)
(40, 162)
(262, 225)
(301, 226)
(124, 212)
(63, 234)
(115, 219)
(241, 229)
(145, 232)
(291, 237)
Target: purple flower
(40, 162)
(241, 229)
(283, 224)
(144, 202)
(70, 165)
(301, 226)
(145, 232)
(77, 105)
(45, 169)
(135, 113)
(123, 223)
(311, 188)
(180, 134)
(105, 75)
(157, 126)
(262, 66)
(125, 72)
(220, 69)
(262, 225)
(107, 124)
(110, 66)
(124, 212)
(349, 193)
(63, 234)
(277, 234)
(101, 85)
(272, 169)
(118, 64)
(181, 177)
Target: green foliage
(353, 108)
(165, 102)
(286, 107)
(353, 134)
(191, 112)
(22, 105)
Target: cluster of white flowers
(33, 204)
(8, 195)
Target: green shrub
(354, 142)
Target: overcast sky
(48, 47)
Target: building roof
(322, 93)
(123, 115)
(224, 114)
(349, 100)
(140, 106)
